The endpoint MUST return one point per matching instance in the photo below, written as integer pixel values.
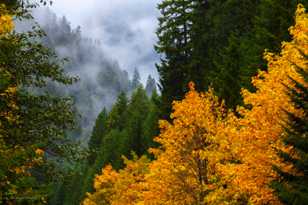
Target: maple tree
(123, 187)
(184, 171)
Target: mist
(104, 42)
(126, 29)
(101, 78)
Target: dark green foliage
(174, 34)
(227, 81)
(218, 43)
(118, 113)
(137, 109)
(150, 124)
(97, 135)
(293, 189)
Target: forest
(225, 123)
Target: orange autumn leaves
(208, 155)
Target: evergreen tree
(98, 133)
(150, 125)
(138, 106)
(293, 189)
(174, 34)
(199, 67)
(218, 43)
(150, 86)
(269, 28)
(118, 114)
(228, 82)
(136, 80)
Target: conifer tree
(293, 187)
(150, 125)
(174, 34)
(118, 114)
(98, 133)
(138, 106)
(136, 80)
(150, 87)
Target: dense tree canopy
(209, 155)
(237, 134)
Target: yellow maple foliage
(123, 187)
(185, 169)
(6, 21)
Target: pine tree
(174, 34)
(136, 80)
(118, 114)
(293, 189)
(228, 82)
(226, 56)
(150, 125)
(138, 106)
(150, 86)
(269, 28)
(98, 133)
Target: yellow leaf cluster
(6, 21)
(123, 187)
(39, 152)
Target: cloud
(126, 29)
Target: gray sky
(126, 28)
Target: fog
(104, 41)
(125, 28)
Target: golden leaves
(6, 21)
(39, 152)
(120, 188)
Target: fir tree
(139, 105)
(150, 86)
(118, 114)
(136, 80)
(293, 189)
(98, 133)
(174, 34)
